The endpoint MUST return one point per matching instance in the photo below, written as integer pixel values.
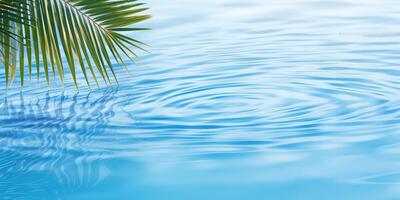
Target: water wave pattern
(249, 93)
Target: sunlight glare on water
(254, 99)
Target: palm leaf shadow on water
(50, 140)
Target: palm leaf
(55, 36)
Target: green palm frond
(86, 34)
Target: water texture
(256, 99)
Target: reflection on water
(257, 99)
(52, 133)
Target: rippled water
(237, 100)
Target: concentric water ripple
(234, 99)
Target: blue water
(256, 99)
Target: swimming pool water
(256, 99)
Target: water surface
(253, 99)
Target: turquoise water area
(256, 99)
